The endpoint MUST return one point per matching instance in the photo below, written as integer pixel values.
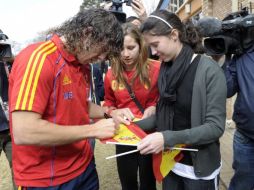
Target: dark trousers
(5, 145)
(176, 182)
(243, 163)
(88, 180)
(129, 166)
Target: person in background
(140, 11)
(134, 20)
(104, 67)
(5, 67)
(96, 90)
(240, 79)
(5, 137)
(97, 84)
(192, 105)
(140, 8)
(134, 75)
(49, 106)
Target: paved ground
(227, 155)
(5, 173)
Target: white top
(188, 172)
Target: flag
(130, 134)
(162, 162)
(165, 161)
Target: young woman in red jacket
(135, 70)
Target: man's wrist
(108, 111)
(106, 116)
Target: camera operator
(234, 36)
(240, 80)
(5, 137)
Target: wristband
(107, 114)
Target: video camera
(117, 9)
(233, 35)
(5, 47)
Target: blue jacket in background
(97, 84)
(240, 80)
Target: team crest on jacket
(117, 86)
(66, 80)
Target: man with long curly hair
(50, 108)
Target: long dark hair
(188, 33)
(95, 26)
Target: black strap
(133, 97)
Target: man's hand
(153, 143)
(123, 115)
(105, 128)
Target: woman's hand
(151, 144)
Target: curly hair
(142, 65)
(90, 28)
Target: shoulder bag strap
(133, 97)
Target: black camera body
(118, 3)
(233, 35)
(117, 10)
(5, 47)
